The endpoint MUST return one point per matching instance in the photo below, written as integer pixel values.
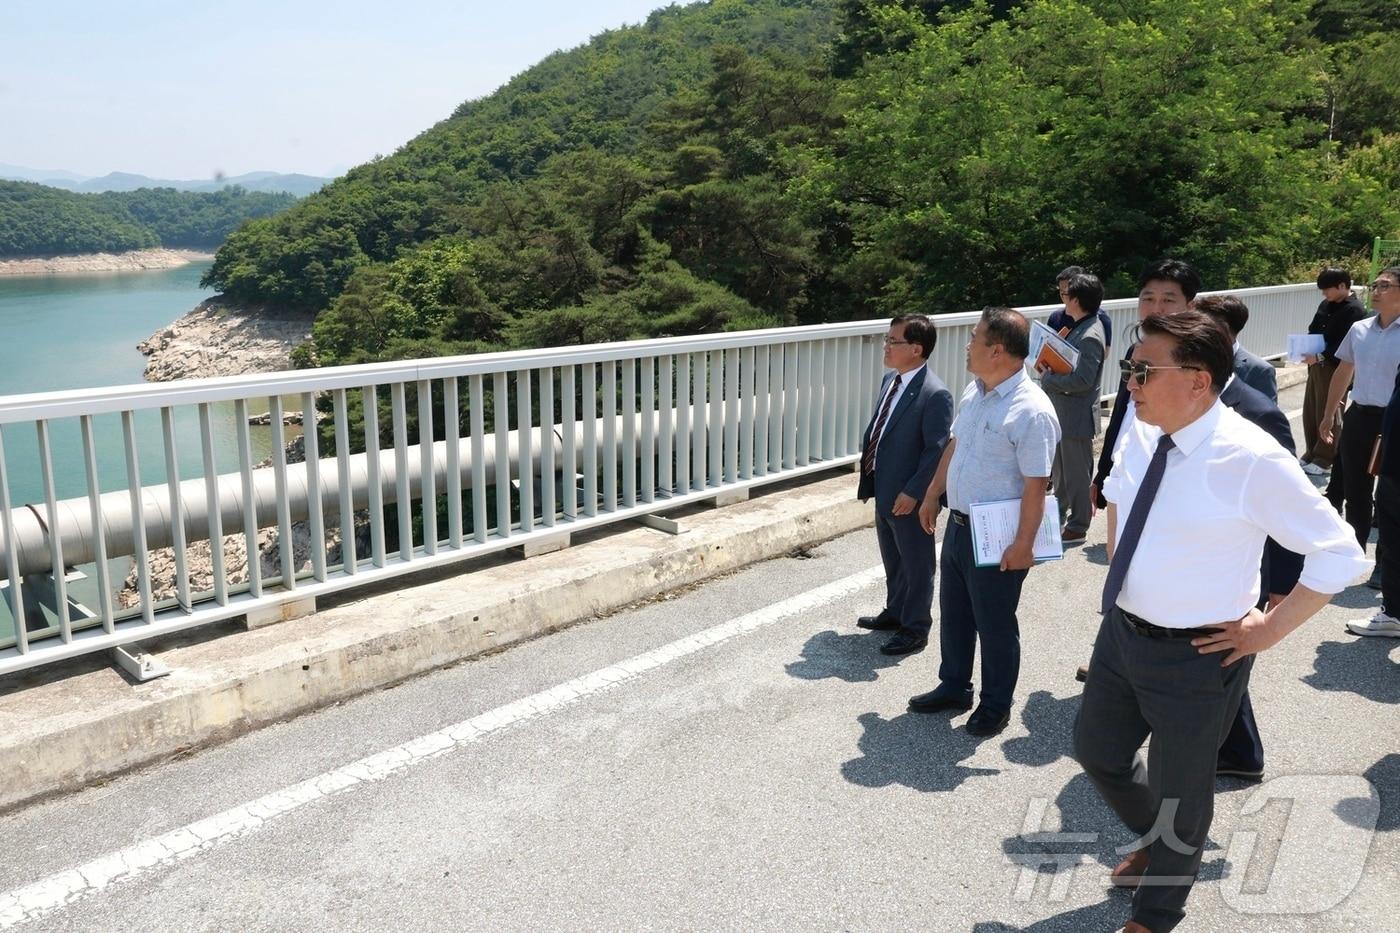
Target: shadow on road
(913, 750)
(1362, 666)
(1108, 914)
(1384, 776)
(1049, 722)
(854, 658)
(1358, 597)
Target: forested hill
(39, 220)
(742, 163)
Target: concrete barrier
(79, 723)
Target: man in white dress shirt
(1194, 493)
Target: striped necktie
(867, 463)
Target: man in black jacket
(1338, 311)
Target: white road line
(56, 891)
(1294, 414)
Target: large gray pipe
(75, 515)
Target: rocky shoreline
(133, 261)
(219, 339)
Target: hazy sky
(187, 89)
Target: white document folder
(994, 528)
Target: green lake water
(79, 331)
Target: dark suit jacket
(1110, 435)
(913, 441)
(1390, 426)
(1257, 373)
(1281, 567)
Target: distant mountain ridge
(270, 182)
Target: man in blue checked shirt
(1003, 447)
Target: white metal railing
(577, 438)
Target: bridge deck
(763, 775)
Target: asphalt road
(764, 775)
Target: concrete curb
(83, 723)
(1290, 375)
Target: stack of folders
(1051, 350)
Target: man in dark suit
(1254, 371)
(1242, 753)
(901, 448)
(1165, 286)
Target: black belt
(959, 518)
(1148, 630)
(1368, 409)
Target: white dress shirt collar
(906, 378)
(1189, 438)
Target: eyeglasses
(898, 343)
(1140, 371)
(1383, 286)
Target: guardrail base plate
(139, 664)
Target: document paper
(1301, 345)
(994, 528)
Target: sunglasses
(1140, 371)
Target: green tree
(994, 151)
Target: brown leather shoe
(1082, 674)
(1132, 926)
(1129, 872)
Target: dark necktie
(1132, 530)
(867, 462)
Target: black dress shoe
(1082, 675)
(987, 721)
(879, 623)
(937, 700)
(904, 642)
